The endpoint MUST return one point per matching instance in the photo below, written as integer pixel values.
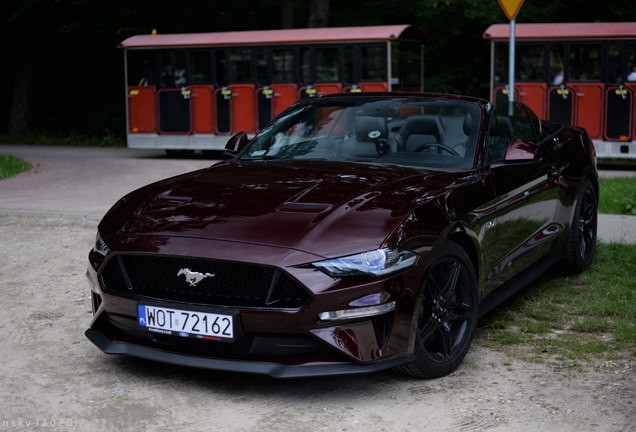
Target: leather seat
(370, 133)
(418, 130)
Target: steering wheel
(444, 147)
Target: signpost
(511, 9)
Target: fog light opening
(361, 312)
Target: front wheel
(581, 243)
(447, 316)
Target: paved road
(85, 182)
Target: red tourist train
(581, 74)
(189, 91)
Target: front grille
(233, 284)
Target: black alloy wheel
(581, 242)
(447, 316)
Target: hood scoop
(307, 208)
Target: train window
(372, 63)
(557, 70)
(167, 72)
(327, 64)
(283, 66)
(305, 66)
(350, 73)
(180, 78)
(199, 67)
(529, 63)
(585, 62)
(405, 66)
(141, 67)
(615, 63)
(501, 64)
(262, 68)
(631, 62)
(221, 67)
(241, 66)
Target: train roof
(288, 36)
(554, 31)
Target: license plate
(185, 323)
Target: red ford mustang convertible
(355, 233)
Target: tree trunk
(21, 104)
(318, 13)
(288, 14)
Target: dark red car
(355, 233)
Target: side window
(585, 62)
(529, 63)
(199, 67)
(615, 63)
(631, 63)
(557, 70)
(241, 66)
(373, 61)
(510, 120)
(327, 64)
(283, 66)
(501, 64)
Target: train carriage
(581, 74)
(189, 91)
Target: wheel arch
(464, 241)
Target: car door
(526, 193)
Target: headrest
(422, 125)
(371, 128)
(468, 124)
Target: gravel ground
(53, 378)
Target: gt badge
(192, 277)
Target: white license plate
(185, 323)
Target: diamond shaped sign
(511, 7)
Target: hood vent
(309, 208)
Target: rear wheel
(581, 242)
(447, 316)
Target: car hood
(323, 208)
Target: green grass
(617, 195)
(10, 166)
(571, 319)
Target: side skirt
(515, 284)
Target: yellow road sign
(511, 7)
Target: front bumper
(275, 370)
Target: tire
(447, 316)
(581, 242)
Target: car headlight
(100, 246)
(377, 262)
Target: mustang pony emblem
(193, 277)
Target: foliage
(586, 316)
(10, 166)
(617, 195)
(79, 72)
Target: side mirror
(521, 150)
(237, 143)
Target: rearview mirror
(521, 150)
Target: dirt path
(50, 371)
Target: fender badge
(192, 277)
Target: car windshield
(424, 132)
